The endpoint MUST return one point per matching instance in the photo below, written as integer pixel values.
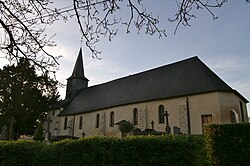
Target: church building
(186, 95)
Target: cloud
(100, 71)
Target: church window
(65, 123)
(80, 122)
(97, 122)
(233, 116)
(135, 115)
(112, 119)
(161, 114)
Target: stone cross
(152, 123)
(168, 129)
(48, 133)
(166, 115)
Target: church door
(206, 120)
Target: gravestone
(177, 130)
(168, 130)
(4, 133)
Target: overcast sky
(222, 44)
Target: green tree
(38, 134)
(125, 127)
(24, 97)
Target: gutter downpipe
(73, 128)
(188, 115)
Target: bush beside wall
(26, 153)
(163, 150)
(228, 144)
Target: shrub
(26, 153)
(150, 150)
(126, 127)
(38, 134)
(228, 144)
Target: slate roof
(183, 78)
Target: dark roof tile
(187, 77)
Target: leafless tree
(23, 23)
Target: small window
(112, 119)
(97, 122)
(53, 112)
(135, 115)
(161, 114)
(65, 123)
(232, 117)
(80, 122)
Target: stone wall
(216, 104)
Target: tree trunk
(11, 129)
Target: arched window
(112, 119)
(65, 123)
(234, 117)
(80, 122)
(135, 116)
(161, 114)
(97, 121)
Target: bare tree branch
(24, 23)
(25, 37)
(185, 7)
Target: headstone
(168, 130)
(4, 133)
(176, 130)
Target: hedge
(228, 144)
(152, 150)
(26, 153)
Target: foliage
(126, 127)
(25, 96)
(26, 153)
(228, 144)
(24, 23)
(38, 134)
(225, 144)
(163, 150)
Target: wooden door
(206, 120)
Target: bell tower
(77, 80)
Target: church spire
(77, 80)
(78, 69)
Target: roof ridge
(149, 70)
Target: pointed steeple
(78, 69)
(77, 80)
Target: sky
(222, 44)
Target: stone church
(186, 95)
